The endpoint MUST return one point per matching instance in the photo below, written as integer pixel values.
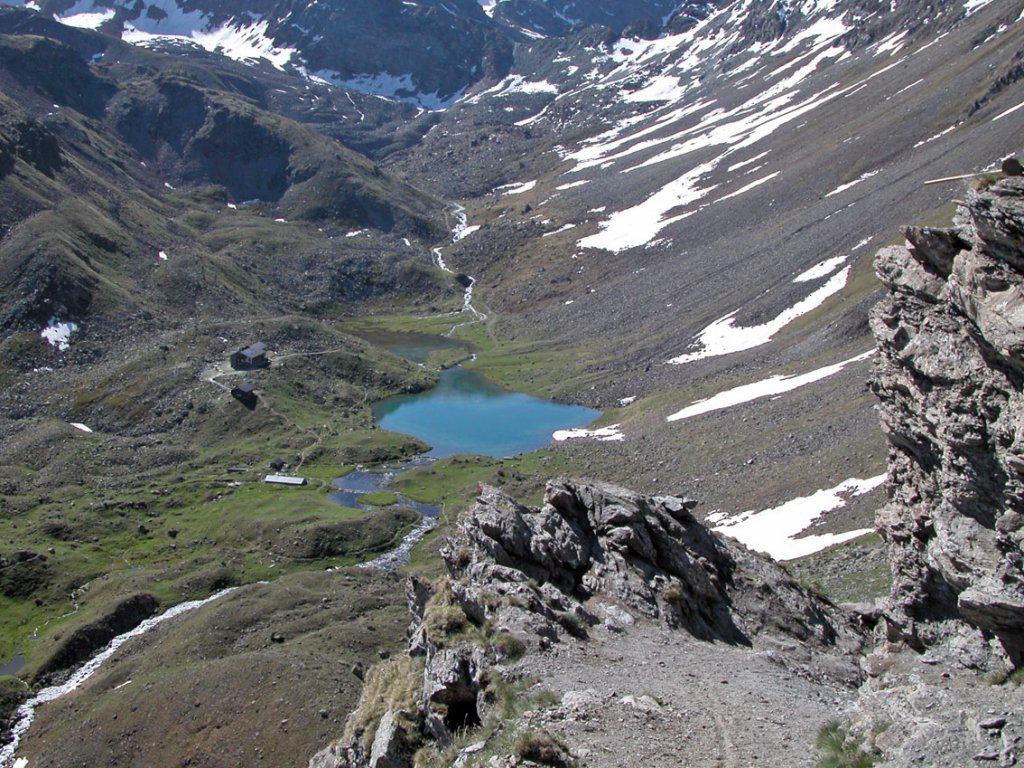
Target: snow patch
(80, 426)
(776, 531)
(58, 333)
(515, 189)
(511, 85)
(722, 337)
(1010, 111)
(774, 385)
(563, 228)
(641, 224)
(748, 187)
(397, 87)
(85, 19)
(970, 6)
(843, 187)
(605, 434)
(821, 269)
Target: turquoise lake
(467, 413)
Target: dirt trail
(656, 697)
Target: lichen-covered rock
(949, 376)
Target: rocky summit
(229, 232)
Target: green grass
(1005, 677)
(394, 685)
(838, 748)
(379, 499)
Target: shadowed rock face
(650, 553)
(951, 338)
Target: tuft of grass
(986, 180)
(444, 620)
(541, 747)
(674, 593)
(838, 748)
(1004, 677)
(508, 646)
(572, 624)
(393, 685)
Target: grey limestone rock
(650, 554)
(949, 376)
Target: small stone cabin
(245, 393)
(248, 358)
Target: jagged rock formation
(522, 578)
(650, 553)
(950, 373)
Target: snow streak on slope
(705, 129)
(723, 336)
(770, 387)
(776, 531)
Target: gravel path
(656, 697)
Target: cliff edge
(949, 376)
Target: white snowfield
(770, 387)
(251, 42)
(515, 189)
(821, 269)
(666, 71)
(724, 337)
(242, 43)
(776, 531)
(606, 434)
(86, 20)
(512, 84)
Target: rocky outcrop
(521, 579)
(648, 553)
(949, 376)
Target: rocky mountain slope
(949, 381)
(694, 217)
(596, 561)
(595, 558)
(671, 217)
(426, 53)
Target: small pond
(412, 346)
(349, 490)
(467, 413)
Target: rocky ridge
(594, 559)
(950, 335)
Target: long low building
(284, 480)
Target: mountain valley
(667, 211)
